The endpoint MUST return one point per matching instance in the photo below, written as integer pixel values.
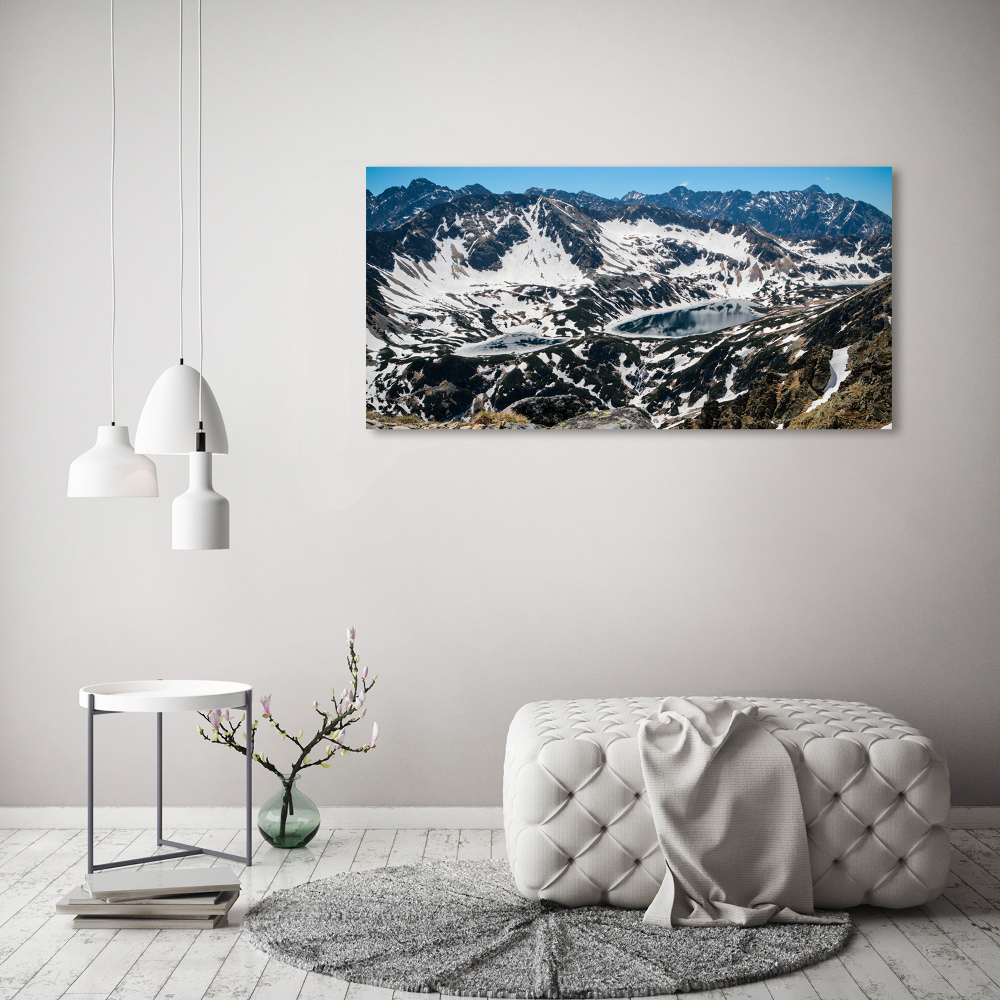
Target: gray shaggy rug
(461, 927)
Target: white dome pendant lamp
(180, 397)
(169, 420)
(181, 415)
(111, 468)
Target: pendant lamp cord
(201, 331)
(114, 131)
(180, 162)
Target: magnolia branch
(349, 709)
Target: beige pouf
(579, 831)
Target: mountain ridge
(811, 212)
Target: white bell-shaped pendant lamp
(200, 515)
(181, 415)
(168, 424)
(111, 468)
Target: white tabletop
(165, 695)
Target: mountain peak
(421, 184)
(812, 188)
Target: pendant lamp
(181, 415)
(112, 468)
(200, 515)
(169, 421)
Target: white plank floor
(949, 948)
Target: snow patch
(838, 372)
(729, 387)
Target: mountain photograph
(548, 308)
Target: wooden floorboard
(948, 948)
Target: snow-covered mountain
(396, 205)
(801, 214)
(486, 299)
(812, 212)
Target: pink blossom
(351, 633)
(214, 717)
(364, 674)
(265, 701)
(374, 734)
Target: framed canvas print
(629, 298)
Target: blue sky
(870, 184)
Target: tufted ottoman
(579, 831)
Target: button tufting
(814, 733)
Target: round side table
(161, 696)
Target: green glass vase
(289, 818)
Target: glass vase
(289, 818)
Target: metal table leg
(248, 729)
(90, 784)
(185, 850)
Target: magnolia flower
(214, 717)
(364, 712)
(265, 701)
(351, 634)
(364, 674)
(315, 704)
(374, 734)
(360, 700)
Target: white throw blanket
(728, 818)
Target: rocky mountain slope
(828, 365)
(483, 302)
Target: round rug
(461, 927)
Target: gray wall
(481, 570)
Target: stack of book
(175, 897)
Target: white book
(112, 922)
(80, 902)
(150, 883)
